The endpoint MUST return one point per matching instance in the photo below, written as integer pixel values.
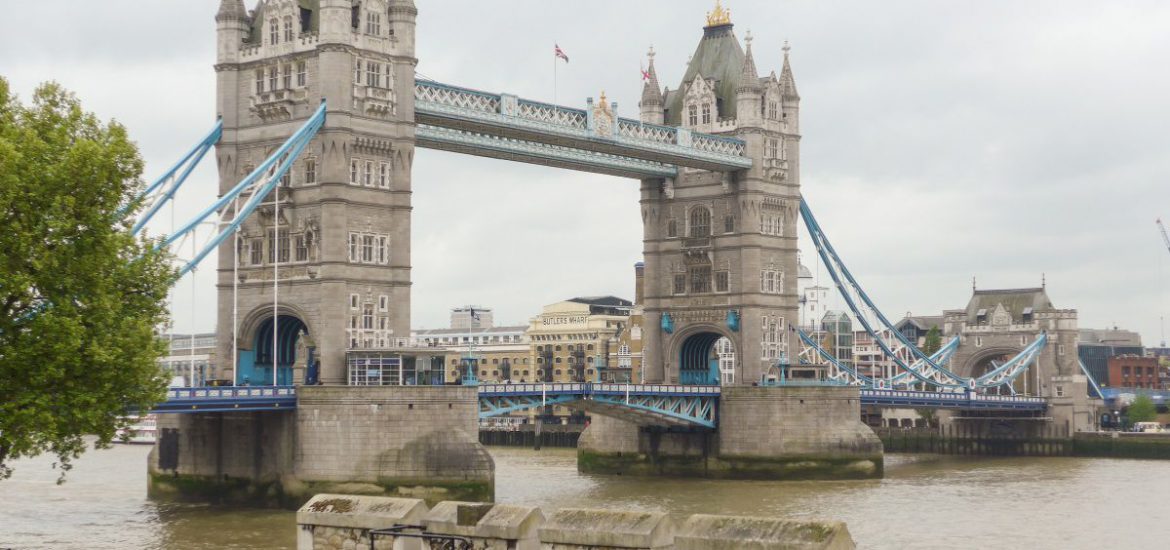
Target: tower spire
(787, 81)
(749, 78)
(652, 99)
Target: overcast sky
(942, 140)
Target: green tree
(1141, 410)
(79, 296)
(933, 341)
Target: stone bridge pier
(406, 441)
(763, 433)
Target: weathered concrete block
(708, 532)
(577, 528)
(491, 526)
(335, 522)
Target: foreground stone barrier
(343, 522)
(577, 528)
(707, 532)
(491, 526)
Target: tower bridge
(315, 258)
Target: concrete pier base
(402, 441)
(764, 433)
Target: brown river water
(924, 502)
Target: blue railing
(228, 399)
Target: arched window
(273, 32)
(692, 115)
(706, 113)
(700, 222)
(671, 228)
(288, 28)
(728, 224)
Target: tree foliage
(933, 341)
(1141, 410)
(80, 297)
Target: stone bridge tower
(721, 249)
(999, 323)
(342, 236)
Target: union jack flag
(557, 51)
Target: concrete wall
(401, 440)
(764, 433)
(234, 457)
(343, 522)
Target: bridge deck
(670, 403)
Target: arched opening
(256, 365)
(990, 360)
(699, 359)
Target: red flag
(645, 74)
(560, 53)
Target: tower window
(302, 74)
(301, 247)
(310, 170)
(259, 81)
(368, 174)
(700, 222)
(722, 279)
(384, 175)
(288, 28)
(672, 228)
(700, 279)
(357, 71)
(353, 171)
(374, 23)
(692, 115)
(680, 283)
(286, 77)
(272, 78)
(728, 224)
(273, 32)
(706, 113)
(373, 74)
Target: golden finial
(603, 97)
(718, 16)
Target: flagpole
(554, 77)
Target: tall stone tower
(721, 249)
(336, 232)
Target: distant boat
(142, 430)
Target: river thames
(924, 502)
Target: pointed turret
(231, 9)
(787, 81)
(749, 78)
(231, 23)
(749, 92)
(789, 98)
(651, 103)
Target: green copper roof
(718, 56)
(1015, 301)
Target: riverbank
(1084, 445)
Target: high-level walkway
(593, 139)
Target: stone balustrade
(348, 522)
